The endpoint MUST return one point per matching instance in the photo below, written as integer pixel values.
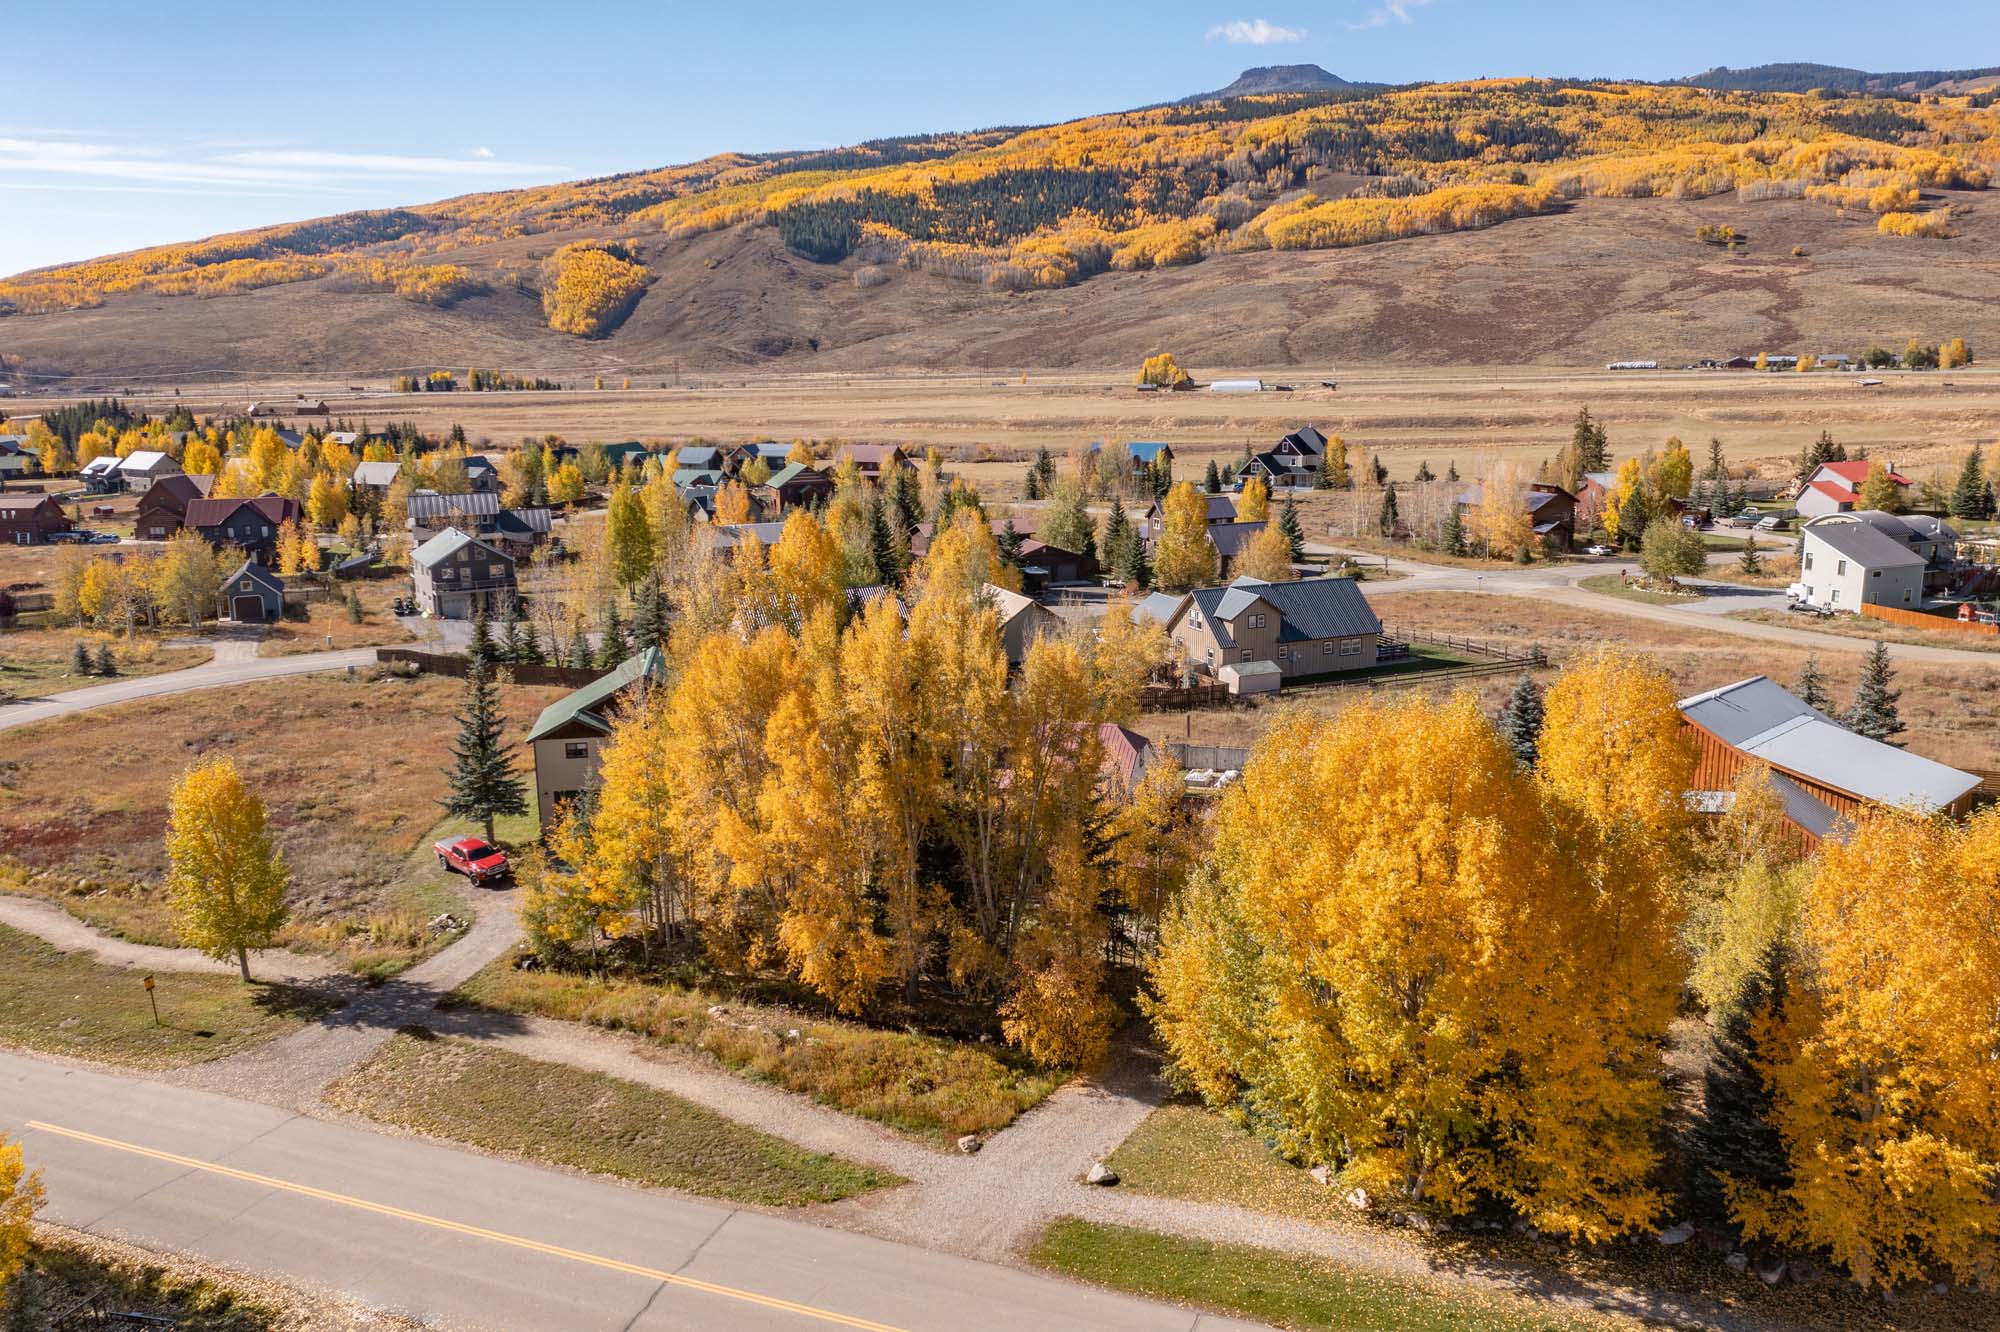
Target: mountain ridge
(1265, 80)
(1802, 76)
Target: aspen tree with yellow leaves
(20, 1198)
(1882, 1067)
(1383, 996)
(226, 882)
(1184, 555)
(1253, 505)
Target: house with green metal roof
(566, 738)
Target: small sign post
(154, 999)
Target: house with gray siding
(1312, 627)
(456, 574)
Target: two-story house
(249, 525)
(1870, 558)
(1835, 487)
(1316, 626)
(566, 738)
(456, 575)
(163, 508)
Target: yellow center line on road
(476, 1232)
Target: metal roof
(446, 543)
(379, 473)
(1864, 544)
(425, 506)
(584, 705)
(1159, 607)
(1311, 608)
(729, 535)
(253, 570)
(1763, 719)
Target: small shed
(252, 595)
(1252, 677)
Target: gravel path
(51, 924)
(240, 666)
(696, 1077)
(293, 1070)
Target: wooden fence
(1533, 656)
(1919, 620)
(1166, 698)
(1216, 758)
(527, 673)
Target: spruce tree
(1521, 720)
(1424, 472)
(1211, 480)
(1009, 542)
(513, 647)
(1588, 443)
(649, 615)
(483, 782)
(1749, 562)
(80, 662)
(1294, 530)
(1736, 1136)
(1045, 468)
(354, 615)
(1387, 518)
(1452, 536)
(612, 648)
(906, 499)
(1033, 489)
(1874, 711)
(107, 665)
(1376, 470)
(579, 648)
(531, 646)
(1451, 471)
(484, 651)
(1968, 496)
(1811, 688)
(882, 544)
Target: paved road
(1558, 582)
(226, 669)
(448, 1236)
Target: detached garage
(252, 595)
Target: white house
(1847, 562)
(142, 467)
(1836, 487)
(15, 460)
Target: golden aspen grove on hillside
(1053, 205)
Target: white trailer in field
(1237, 386)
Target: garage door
(247, 610)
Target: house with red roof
(1835, 487)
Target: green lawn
(71, 1004)
(925, 1086)
(1184, 1151)
(1287, 1289)
(1613, 585)
(590, 1121)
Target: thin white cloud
(26, 158)
(389, 163)
(1393, 11)
(482, 152)
(1255, 32)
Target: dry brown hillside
(1607, 279)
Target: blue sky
(130, 124)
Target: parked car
(100, 538)
(1600, 550)
(67, 538)
(474, 857)
(1769, 524)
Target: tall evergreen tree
(1424, 472)
(514, 648)
(1009, 542)
(1451, 471)
(1045, 468)
(580, 657)
(1376, 471)
(1521, 720)
(1749, 562)
(1211, 480)
(483, 782)
(1874, 711)
(1451, 537)
(484, 650)
(531, 646)
(1968, 496)
(649, 615)
(107, 665)
(882, 543)
(1736, 1135)
(1588, 443)
(1387, 518)
(1811, 688)
(1293, 528)
(80, 662)
(613, 647)
(1032, 488)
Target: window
(1350, 647)
(1327, 647)
(494, 570)
(1808, 559)
(1906, 596)
(576, 749)
(1874, 573)
(244, 586)
(1836, 594)
(1257, 620)
(1245, 656)
(1841, 569)
(267, 529)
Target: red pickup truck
(474, 857)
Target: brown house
(568, 735)
(1315, 626)
(163, 508)
(876, 461)
(249, 525)
(1551, 510)
(794, 485)
(1822, 773)
(27, 520)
